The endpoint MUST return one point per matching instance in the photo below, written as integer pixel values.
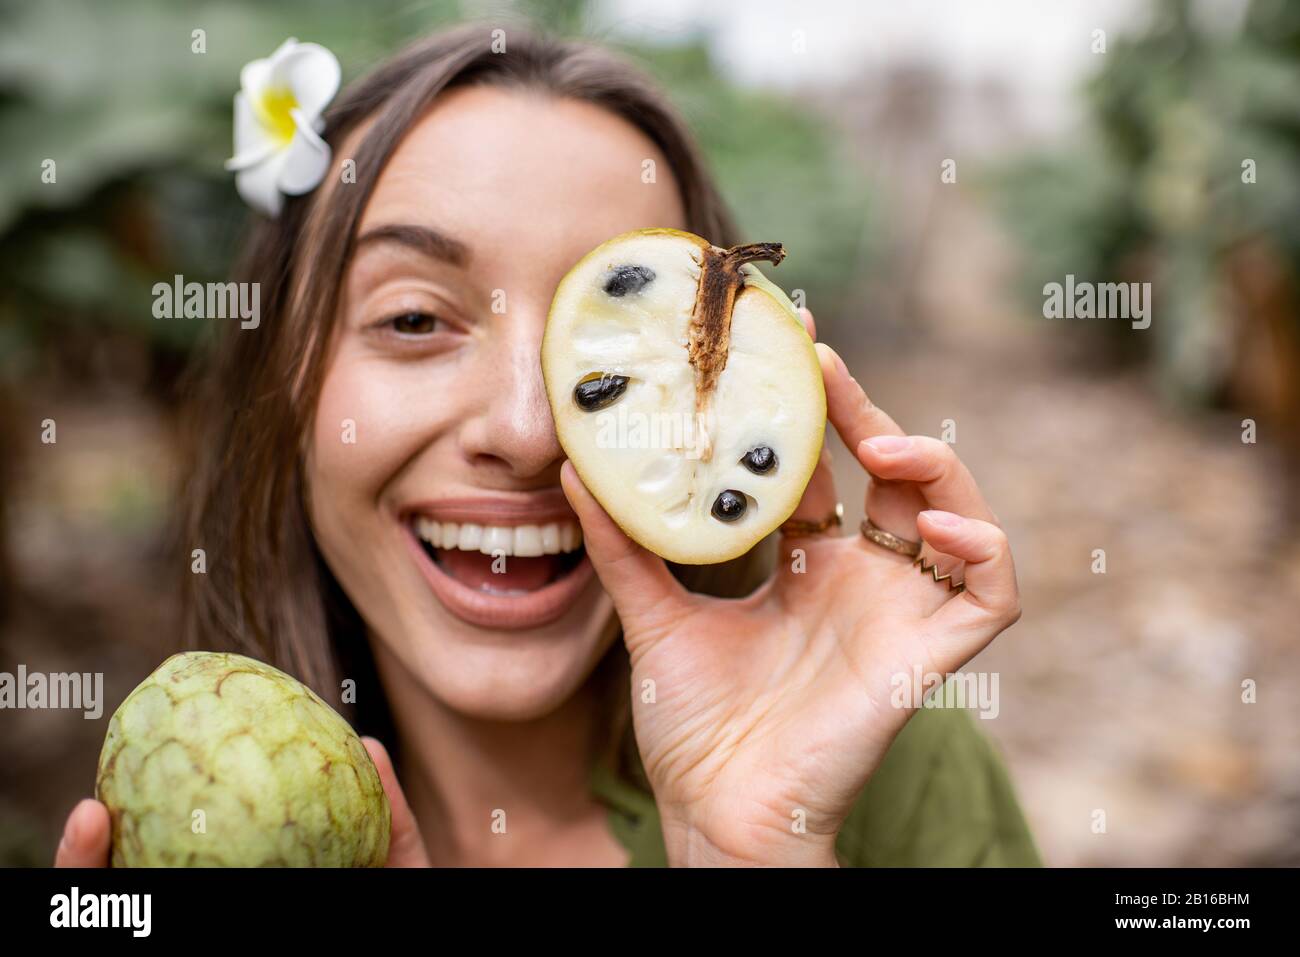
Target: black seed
(621, 280)
(729, 506)
(759, 460)
(594, 394)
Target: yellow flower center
(272, 109)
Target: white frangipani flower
(278, 109)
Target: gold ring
(798, 526)
(956, 587)
(878, 536)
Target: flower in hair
(278, 149)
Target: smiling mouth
(501, 560)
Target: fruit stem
(721, 279)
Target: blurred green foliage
(139, 125)
(1154, 189)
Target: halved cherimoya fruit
(685, 391)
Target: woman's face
(433, 422)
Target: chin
(515, 675)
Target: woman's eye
(414, 324)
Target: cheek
(369, 422)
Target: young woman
(382, 391)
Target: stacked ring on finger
(877, 535)
(908, 549)
(796, 527)
(933, 569)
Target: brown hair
(268, 593)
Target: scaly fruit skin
(282, 780)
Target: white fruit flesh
(659, 455)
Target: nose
(510, 428)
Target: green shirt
(940, 798)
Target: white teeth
(570, 536)
(550, 539)
(426, 529)
(524, 541)
(528, 541)
(496, 539)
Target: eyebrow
(422, 239)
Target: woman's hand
(87, 832)
(86, 836)
(760, 720)
(405, 845)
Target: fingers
(991, 601)
(891, 505)
(819, 498)
(637, 580)
(405, 846)
(944, 482)
(86, 836)
(854, 416)
(810, 324)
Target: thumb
(643, 589)
(405, 846)
(86, 836)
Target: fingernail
(943, 519)
(889, 444)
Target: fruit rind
(220, 760)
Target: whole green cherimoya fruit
(218, 760)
